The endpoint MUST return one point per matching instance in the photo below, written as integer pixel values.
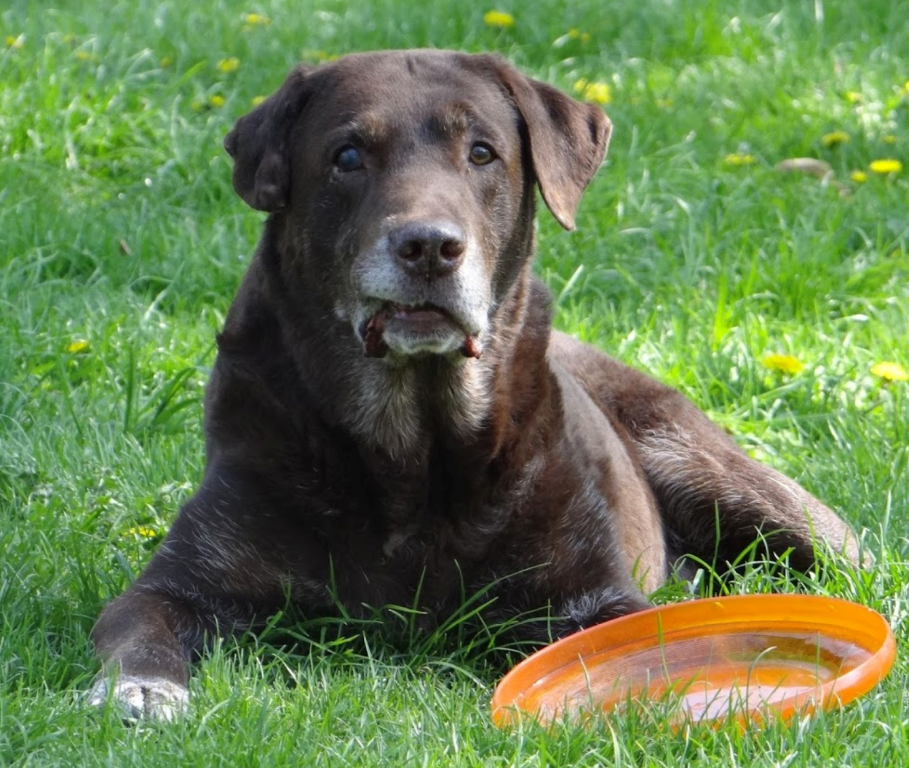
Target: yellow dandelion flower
(853, 97)
(859, 177)
(145, 531)
(216, 100)
(738, 158)
(575, 34)
(890, 371)
(319, 56)
(783, 363)
(257, 100)
(498, 19)
(229, 65)
(834, 138)
(256, 20)
(886, 166)
(78, 346)
(889, 139)
(15, 42)
(598, 93)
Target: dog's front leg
(207, 578)
(145, 639)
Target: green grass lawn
(122, 243)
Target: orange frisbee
(747, 658)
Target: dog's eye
(481, 154)
(348, 159)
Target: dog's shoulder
(252, 402)
(250, 319)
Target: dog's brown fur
(358, 450)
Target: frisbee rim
(832, 617)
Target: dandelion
(14, 42)
(498, 19)
(834, 138)
(738, 158)
(229, 65)
(216, 100)
(889, 139)
(598, 93)
(886, 166)
(859, 177)
(257, 100)
(256, 20)
(319, 56)
(78, 346)
(890, 371)
(853, 97)
(784, 364)
(571, 34)
(143, 531)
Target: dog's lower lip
(421, 319)
(427, 318)
(418, 313)
(414, 321)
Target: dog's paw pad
(141, 697)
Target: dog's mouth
(416, 328)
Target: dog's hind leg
(715, 500)
(718, 501)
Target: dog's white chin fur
(141, 697)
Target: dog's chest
(412, 544)
(416, 566)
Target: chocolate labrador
(391, 419)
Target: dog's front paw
(141, 697)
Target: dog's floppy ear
(259, 144)
(568, 139)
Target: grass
(121, 245)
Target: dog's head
(404, 181)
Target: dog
(390, 418)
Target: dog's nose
(428, 248)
